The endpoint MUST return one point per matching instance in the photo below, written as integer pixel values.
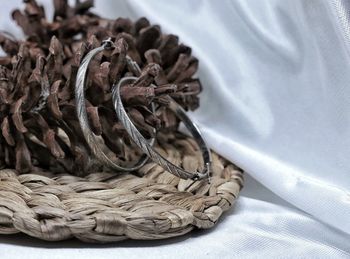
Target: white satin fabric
(276, 101)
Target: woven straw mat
(105, 207)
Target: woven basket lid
(105, 207)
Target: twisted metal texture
(90, 137)
(142, 143)
(105, 207)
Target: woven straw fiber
(104, 207)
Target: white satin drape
(276, 101)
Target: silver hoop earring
(90, 137)
(142, 143)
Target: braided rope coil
(105, 207)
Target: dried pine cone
(39, 126)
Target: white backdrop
(276, 101)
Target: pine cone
(39, 126)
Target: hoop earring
(90, 137)
(142, 143)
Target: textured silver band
(90, 137)
(142, 143)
